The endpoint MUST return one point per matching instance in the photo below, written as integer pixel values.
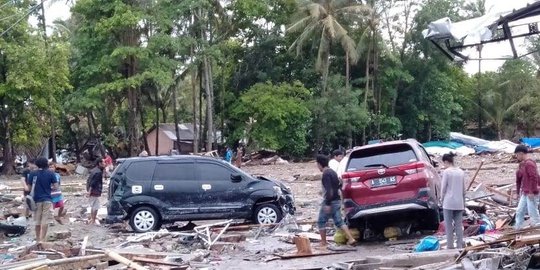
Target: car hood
(278, 183)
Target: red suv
(391, 182)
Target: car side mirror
(235, 178)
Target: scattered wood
(59, 262)
(123, 260)
(160, 262)
(475, 175)
(295, 255)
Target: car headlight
(278, 191)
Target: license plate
(381, 182)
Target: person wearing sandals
(331, 205)
(453, 201)
(57, 197)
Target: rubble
(236, 245)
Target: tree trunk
(7, 167)
(53, 126)
(132, 121)
(201, 122)
(176, 122)
(91, 124)
(347, 86)
(163, 113)
(479, 92)
(194, 100)
(143, 126)
(156, 153)
(209, 93)
(347, 70)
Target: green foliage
(275, 117)
(339, 111)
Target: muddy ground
(251, 253)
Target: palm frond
(359, 11)
(348, 45)
(299, 42)
(299, 25)
(328, 23)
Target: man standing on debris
(45, 182)
(94, 187)
(331, 205)
(30, 166)
(527, 188)
(337, 156)
(453, 198)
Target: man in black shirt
(94, 187)
(331, 206)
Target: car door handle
(159, 187)
(206, 187)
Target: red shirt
(527, 178)
(108, 161)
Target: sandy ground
(249, 254)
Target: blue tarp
(447, 144)
(532, 142)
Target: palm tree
(325, 19)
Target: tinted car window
(213, 172)
(141, 170)
(174, 171)
(390, 155)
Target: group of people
(42, 184)
(453, 195)
(453, 191)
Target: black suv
(150, 191)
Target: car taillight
(411, 171)
(347, 178)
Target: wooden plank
(123, 260)
(314, 254)
(475, 175)
(159, 262)
(498, 192)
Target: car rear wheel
(267, 213)
(144, 219)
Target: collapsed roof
(453, 39)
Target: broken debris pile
(263, 157)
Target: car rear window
(390, 155)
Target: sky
(61, 10)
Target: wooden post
(475, 174)
(303, 245)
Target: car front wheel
(267, 213)
(144, 219)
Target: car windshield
(384, 156)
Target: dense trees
(295, 76)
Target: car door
(175, 184)
(224, 198)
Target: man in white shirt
(337, 156)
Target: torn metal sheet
(453, 38)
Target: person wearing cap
(527, 188)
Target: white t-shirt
(334, 165)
